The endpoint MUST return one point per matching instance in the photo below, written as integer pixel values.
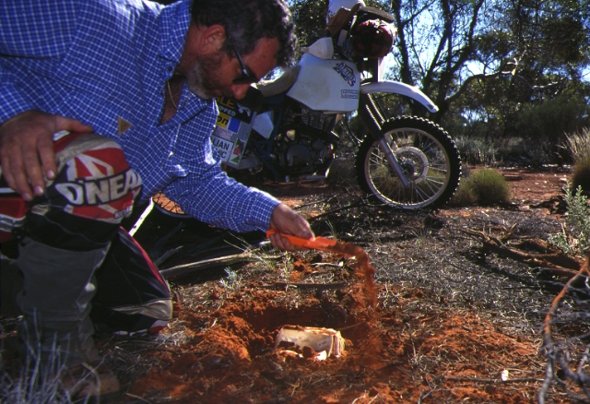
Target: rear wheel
(428, 158)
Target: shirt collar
(174, 21)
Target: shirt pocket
(175, 168)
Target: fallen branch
(184, 269)
(552, 352)
(534, 252)
(494, 381)
(308, 285)
(352, 205)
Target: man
(143, 76)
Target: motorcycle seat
(280, 85)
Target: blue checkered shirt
(106, 63)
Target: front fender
(397, 87)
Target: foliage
(577, 145)
(37, 381)
(483, 187)
(233, 281)
(581, 176)
(310, 19)
(549, 120)
(477, 150)
(574, 238)
(496, 69)
(508, 108)
(508, 151)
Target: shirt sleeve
(12, 100)
(223, 202)
(33, 35)
(207, 193)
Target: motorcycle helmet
(372, 38)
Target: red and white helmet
(372, 38)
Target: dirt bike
(289, 132)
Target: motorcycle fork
(371, 115)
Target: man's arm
(217, 199)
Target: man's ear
(213, 38)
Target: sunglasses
(246, 76)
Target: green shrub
(496, 151)
(477, 150)
(547, 123)
(577, 145)
(581, 175)
(574, 238)
(484, 187)
(464, 196)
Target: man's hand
(26, 150)
(286, 220)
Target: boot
(55, 300)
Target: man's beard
(202, 78)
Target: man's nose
(239, 90)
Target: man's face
(218, 74)
(203, 80)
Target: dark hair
(247, 21)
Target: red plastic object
(316, 243)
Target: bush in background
(549, 120)
(577, 146)
(581, 176)
(477, 150)
(485, 187)
(496, 151)
(574, 238)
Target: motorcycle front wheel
(427, 157)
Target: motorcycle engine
(307, 156)
(307, 146)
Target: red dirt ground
(406, 352)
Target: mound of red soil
(404, 352)
(390, 356)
